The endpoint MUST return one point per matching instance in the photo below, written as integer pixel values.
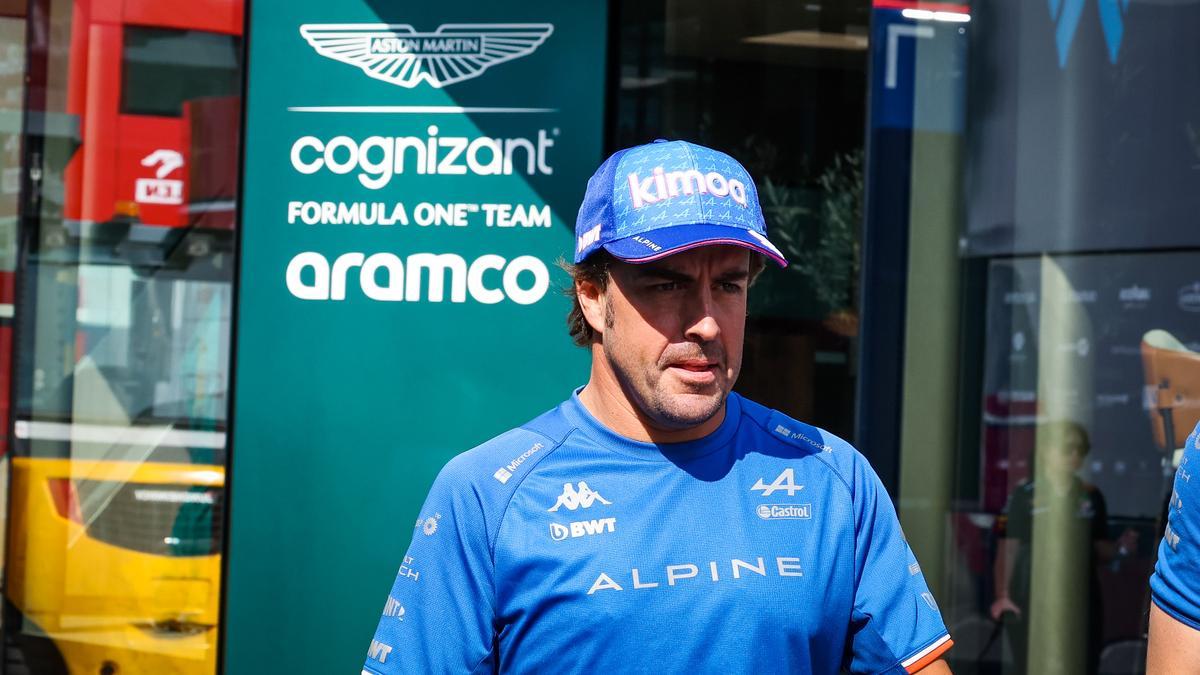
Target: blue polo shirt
(1175, 586)
(560, 546)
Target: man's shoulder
(793, 438)
(508, 457)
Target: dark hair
(595, 269)
(1055, 432)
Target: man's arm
(1006, 557)
(1175, 587)
(894, 613)
(438, 617)
(1174, 646)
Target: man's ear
(591, 301)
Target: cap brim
(657, 244)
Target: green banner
(412, 175)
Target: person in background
(1056, 486)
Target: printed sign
(412, 175)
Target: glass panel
(161, 69)
(780, 87)
(123, 338)
(1050, 322)
(12, 95)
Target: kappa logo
(399, 55)
(1066, 15)
(574, 498)
(785, 481)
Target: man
(656, 521)
(1175, 586)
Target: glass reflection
(123, 338)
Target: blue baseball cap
(651, 201)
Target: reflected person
(1056, 490)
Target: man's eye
(667, 286)
(731, 287)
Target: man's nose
(701, 319)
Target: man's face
(673, 332)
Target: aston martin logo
(398, 54)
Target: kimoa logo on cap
(669, 184)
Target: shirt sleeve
(438, 617)
(895, 624)
(1175, 585)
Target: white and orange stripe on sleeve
(927, 655)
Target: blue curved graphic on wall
(1066, 14)
(1112, 19)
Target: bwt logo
(1066, 15)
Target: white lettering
(319, 289)
(604, 582)
(637, 583)
(379, 158)
(464, 280)
(686, 571)
(394, 290)
(669, 184)
(789, 567)
(298, 163)
(760, 569)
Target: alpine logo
(582, 528)
(399, 55)
(576, 498)
(785, 481)
(1066, 15)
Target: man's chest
(599, 547)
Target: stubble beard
(645, 388)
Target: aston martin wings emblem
(398, 54)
